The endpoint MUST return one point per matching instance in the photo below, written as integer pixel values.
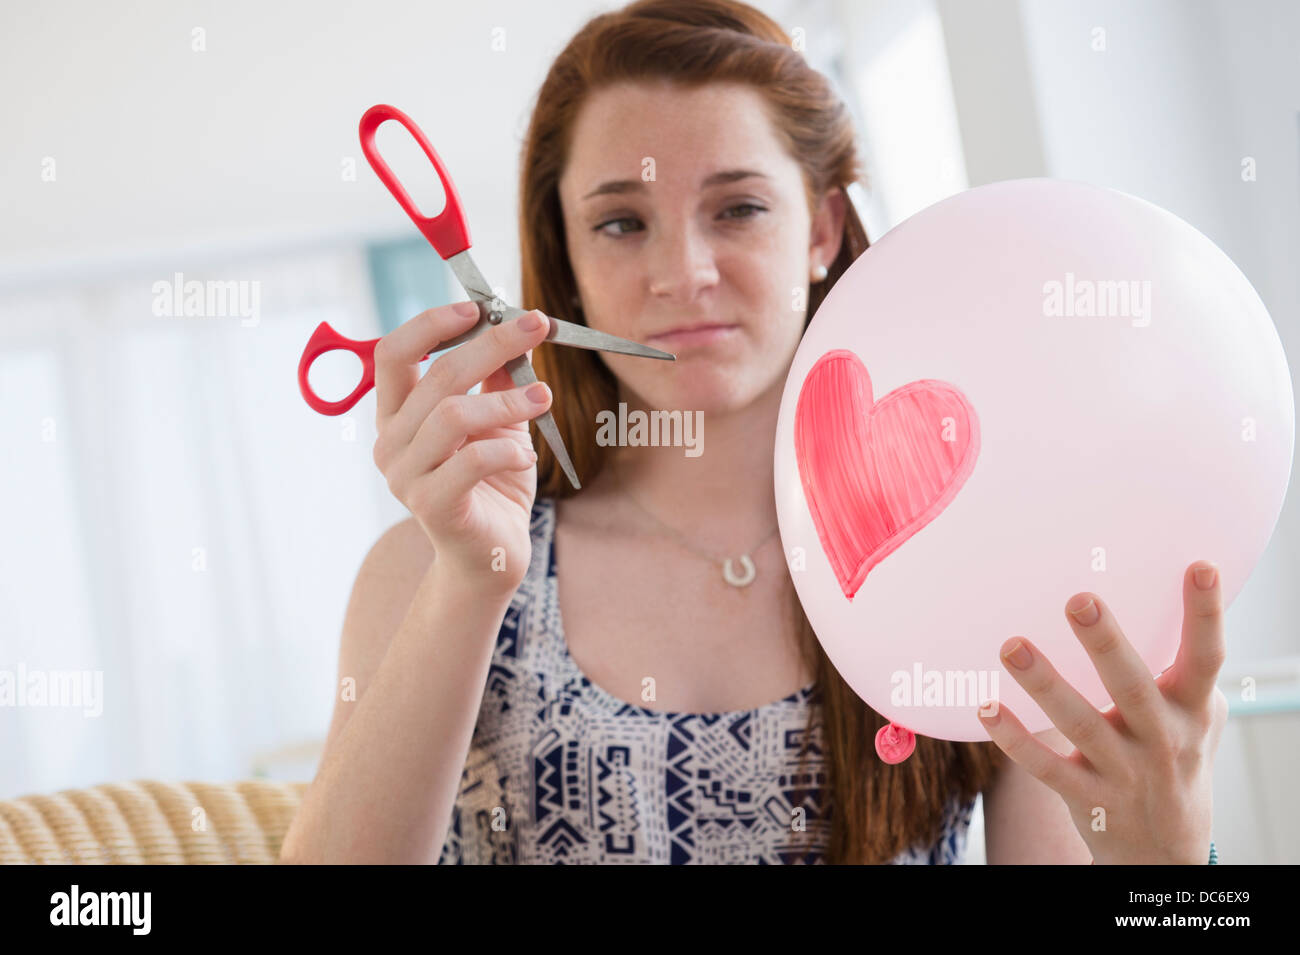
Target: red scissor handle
(447, 231)
(325, 339)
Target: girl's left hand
(1139, 783)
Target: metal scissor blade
(521, 373)
(467, 273)
(580, 336)
(562, 332)
(546, 424)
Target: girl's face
(682, 208)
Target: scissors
(448, 232)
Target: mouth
(695, 335)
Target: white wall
(166, 154)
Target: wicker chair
(151, 823)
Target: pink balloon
(1027, 390)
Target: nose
(681, 265)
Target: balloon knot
(894, 743)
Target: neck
(721, 499)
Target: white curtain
(179, 522)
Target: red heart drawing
(875, 472)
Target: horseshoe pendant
(729, 573)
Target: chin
(707, 393)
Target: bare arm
(420, 630)
(418, 642)
(1026, 822)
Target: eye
(726, 214)
(614, 235)
(745, 205)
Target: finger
(398, 354)
(1070, 712)
(458, 418)
(483, 356)
(1202, 648)
(475, 462)
(463, 367)
(500, 379)
(1032, 754)
(1121, 668)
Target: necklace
(729, 573)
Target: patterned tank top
(560, 771)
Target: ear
(828, 227)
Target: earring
(819, 273)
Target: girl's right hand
(462, 464)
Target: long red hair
(875, 811)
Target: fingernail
(466, 309)
(1204, 577)
(1086, 613)
(990, 713)
(531, 322)
(1019, 656)
(536, 393)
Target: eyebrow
(619, 186)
